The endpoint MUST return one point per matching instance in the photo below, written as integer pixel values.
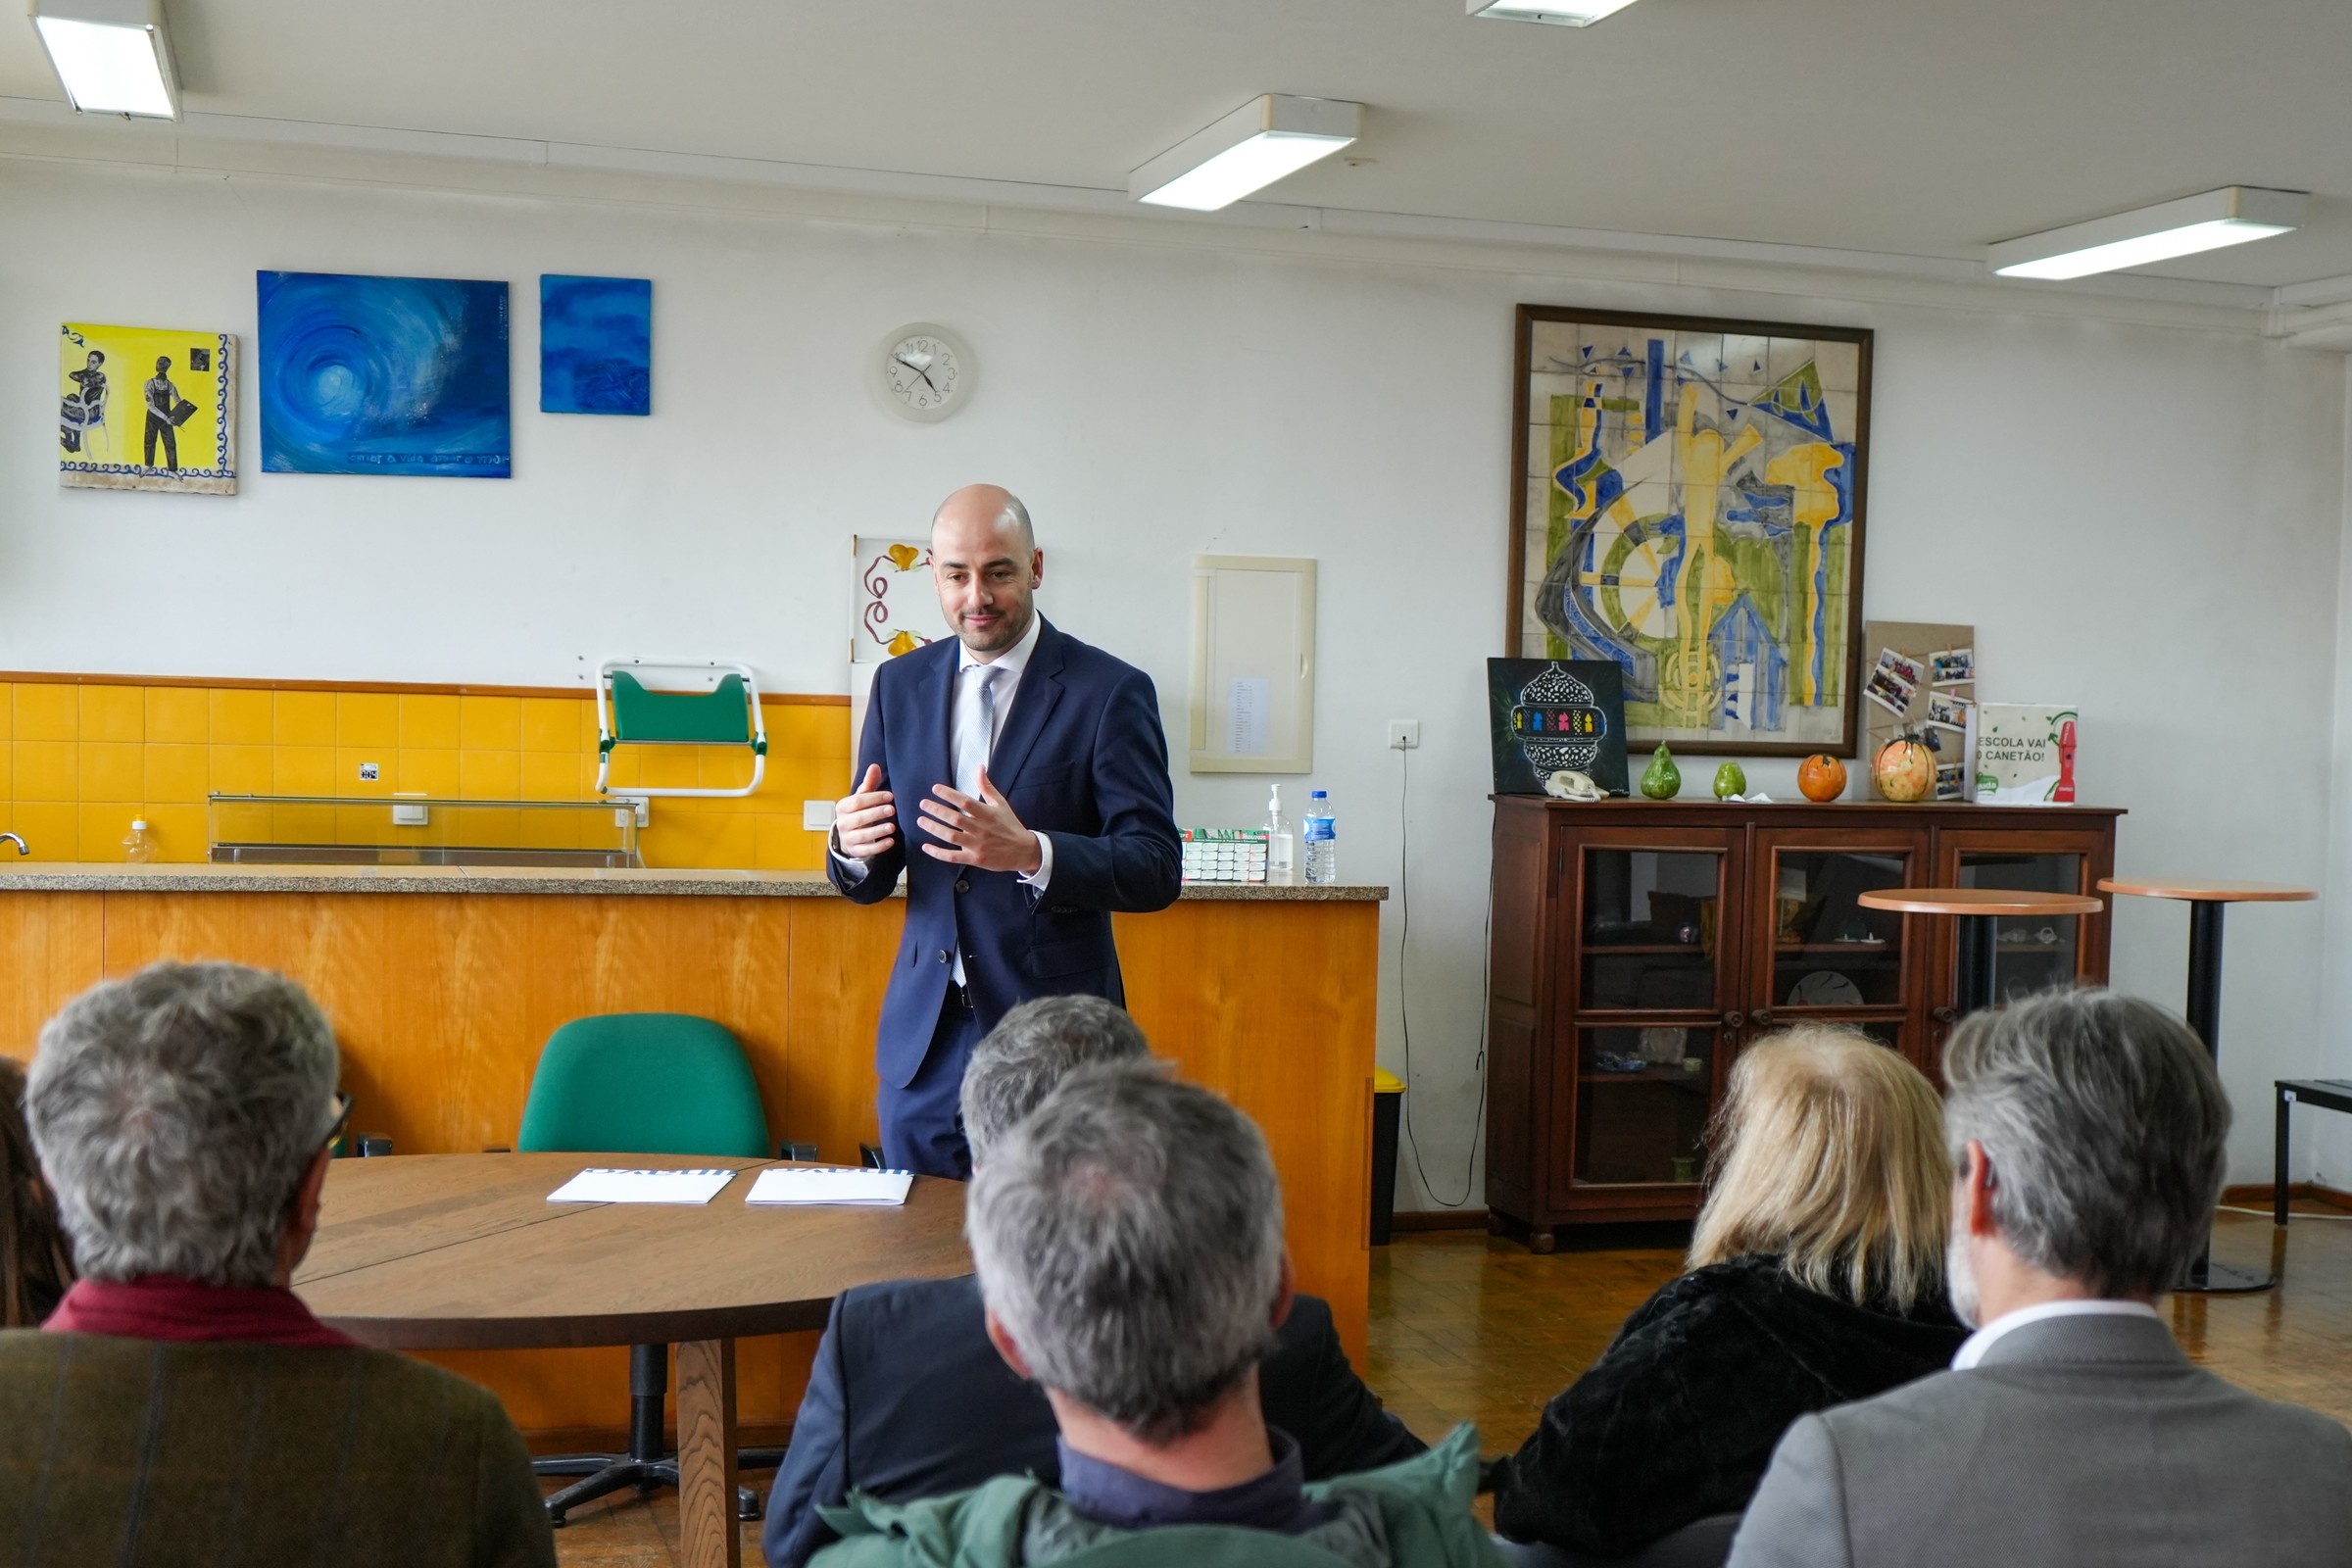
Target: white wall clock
(927, 372)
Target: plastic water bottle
(138, 846)
(1322, 840)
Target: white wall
(2143, 519)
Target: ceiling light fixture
(2230, 216)
(111, 56)
(1564, 14)
(1266, 138)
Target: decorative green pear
(1730, 781)
(1662, 781)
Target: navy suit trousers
(922, 1124)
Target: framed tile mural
(1687, 502)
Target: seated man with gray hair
(908, 1399)
(181, 1404)
(1128, 1234)
(2086, 1132)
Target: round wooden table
(1979, 910)
(464, 1252)
(2206, 901)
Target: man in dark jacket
(909, 1399)
(1018, 779)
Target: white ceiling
(1887, 125)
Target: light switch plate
(816, 815)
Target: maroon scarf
(161, 1308)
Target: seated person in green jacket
(1128, 1237)
(908, 1399)
(181, 1404)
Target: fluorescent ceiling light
(1563, 14)
(1250, 149)
(109, 55)
(2230, 216)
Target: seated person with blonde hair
(1816, 1277)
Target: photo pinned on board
(1893, 682)
(1952, 666)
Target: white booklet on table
(831, 1184)
(599, 1185)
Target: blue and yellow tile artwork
(596, 344)
(386, 376)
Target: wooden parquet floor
(1469, 1328)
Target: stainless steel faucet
(21, 846)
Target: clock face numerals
(926, 371)
(923, 373)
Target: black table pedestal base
(2205, 1277)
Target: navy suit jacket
(1082, 758)
(908, 1399)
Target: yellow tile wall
(79, 760)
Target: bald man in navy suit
(1018, 779)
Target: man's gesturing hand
(981, 832)
(865, 823)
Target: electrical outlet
(1404, 734)
(816, 815)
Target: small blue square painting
(393, 375)
(596, 345)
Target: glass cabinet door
(1653, 971)
(1643, 1099)
(1816, 953)
(2031, 952)
(1647, 930)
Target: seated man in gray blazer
(2087, 1134)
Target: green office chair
(642, 1083)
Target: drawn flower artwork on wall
(1687, 505)
(893, 594)
(386, 376)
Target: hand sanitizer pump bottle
(1280, 859)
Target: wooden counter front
(441, 1001)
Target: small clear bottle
(1281, 864)
(138, 845)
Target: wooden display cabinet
(1637, 947)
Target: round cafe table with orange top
(2207, 901)
(1979, 909)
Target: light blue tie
(978, 732)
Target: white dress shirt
(1972, 1349)
(963, 719)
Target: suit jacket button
(943, 955)
(964, 884)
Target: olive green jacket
(136, 1452)
(1410, 1515)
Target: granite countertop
(60, 877)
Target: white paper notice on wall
(1252, 701)
(1253, 664)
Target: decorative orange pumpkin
(1904, 769)
(1821, 776)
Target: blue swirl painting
(596, 345)
(395, 375)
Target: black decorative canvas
(1550, 715)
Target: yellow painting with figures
(142, 408)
